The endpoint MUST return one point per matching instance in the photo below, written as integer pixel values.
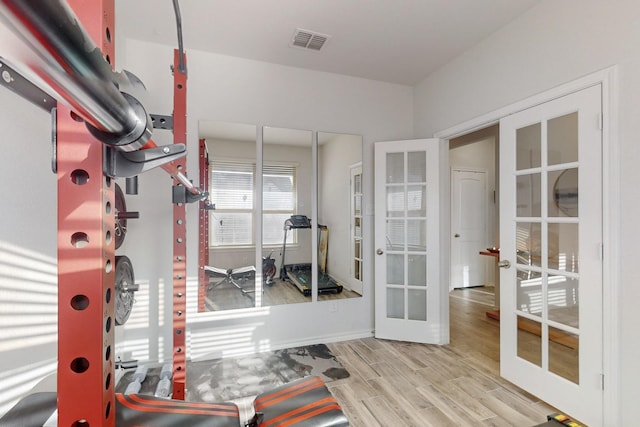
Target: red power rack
(203, 226)
(179, 235)
(86, 267)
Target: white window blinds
(278, 203)
(232, 191)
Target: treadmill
(300, 274)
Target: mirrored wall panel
(340, 249)
(287, 192)
(230, 271)
(275, 187)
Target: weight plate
(124, 289)
(121, 223)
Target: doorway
(477, 150)
(473, 161)
(548, 152)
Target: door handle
(504, 263)
(379, 251)
(456, 235)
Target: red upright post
(203, 240)
(85, 255)
(179, 235)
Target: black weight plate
(124, 289)
(121, 223)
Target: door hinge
(601, 249)
(601, 381)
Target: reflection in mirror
(230, 273)
(231, 277)
(340, 214)
(564, 192)
(287, 191)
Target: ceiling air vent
(306, 39)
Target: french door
(551, 256)
(410, 294)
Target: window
(278, 202)
(232, 190)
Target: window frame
(252, 165)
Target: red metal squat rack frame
(86, 246)
(179, 234)
(203, 225)
(86, 218)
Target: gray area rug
(237, 377)
(233, 378)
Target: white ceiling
(397, 41)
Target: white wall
(237, 90)
(554, 43)
(28, 249)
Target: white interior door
(411, 294)
(468, 227)
(551, 234)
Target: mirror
(565, 193)
(231, 277)
(287, 191)
(230, 271)
(340, 214)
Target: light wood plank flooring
(226, 297)
(405, 384)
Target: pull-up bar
(80, 76)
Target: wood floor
(404, 384)
(226, 297)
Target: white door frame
(610, 198)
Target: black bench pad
(302, 403)
(141, 411)
(31, 411)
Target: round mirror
(565, 192)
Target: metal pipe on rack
(74, 68)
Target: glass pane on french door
(547, 245)
(406, 235)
